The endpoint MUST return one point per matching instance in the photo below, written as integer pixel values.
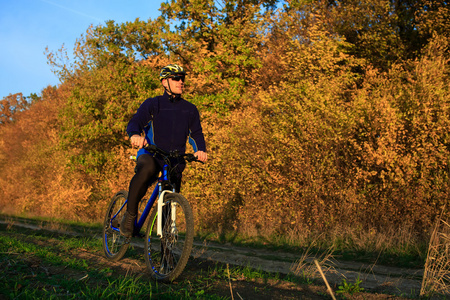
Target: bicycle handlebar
(172, 154)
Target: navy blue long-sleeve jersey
(168, 124)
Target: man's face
(176, 84)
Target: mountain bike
(169, 234)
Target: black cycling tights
(147, 170)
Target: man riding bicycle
(167, 121)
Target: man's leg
(146, 173)
(177, 176)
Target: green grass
(43, 265)
(40, 266)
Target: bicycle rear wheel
(114, 244)
(167, 256)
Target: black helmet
(171, 70)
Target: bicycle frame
(158, 193)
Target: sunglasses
(177, 78)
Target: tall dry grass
(436, 278)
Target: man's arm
(141, 118)
(196, 137)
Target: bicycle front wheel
(114, 244)
(166, 256)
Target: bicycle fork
(160, 216)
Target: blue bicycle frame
(155, 195)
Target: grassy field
(53, 265)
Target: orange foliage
(304, 133)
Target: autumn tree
(10, 105)
(385, 31)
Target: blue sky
(27, 27)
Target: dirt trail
(374, 278)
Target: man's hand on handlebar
(138, 141)
(201, 156)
